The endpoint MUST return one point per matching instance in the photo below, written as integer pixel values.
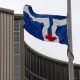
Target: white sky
(54, 7)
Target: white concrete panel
(11, 47)
(8, 52)
(5, 51)
(2, 54)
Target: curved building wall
(41, 67)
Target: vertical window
(16, 29)
(57, 72)
(16, 33)
(53, 71)
(16, 60)
(66, 73)
(32, 63)
(16, 50)
(76, 74)
(16, 38)
(16, 46)
(45, 69)
(41, 72)
(37, 63)
(16, 23)
(62, 73)
(35, 67)
(16, 71)
(48, 71)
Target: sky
(54, 7)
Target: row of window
(16, 50)
(16, 37)
(46, 69)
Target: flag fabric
(45, 27)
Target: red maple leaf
(50, 37)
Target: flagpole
(70, 50)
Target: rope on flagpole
(70, 51)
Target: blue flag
(45, 27)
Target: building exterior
(18, 48)
(6, 44)
(11, 45)
(42, 67)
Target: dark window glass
(16, 33)
(52, 71)
(41, 68)
(76, 74)
(16, 51)
(45, 69)
(16, 23)
(62, 72)
(29, 60)
(30, 76)
(16, 78)
(37, 63)
(16, 46)
(16, 71)
(32, 63)
(66, 73)
(57, 72)
(35, 78)
(26, 60)
(16, 29)
(48, 71)
(16, 59)
(25, 73)
(16, 38)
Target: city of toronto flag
(45, 27)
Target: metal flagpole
(70, 50)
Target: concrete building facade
(6, 44)
(18, 48)
(11, 45)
